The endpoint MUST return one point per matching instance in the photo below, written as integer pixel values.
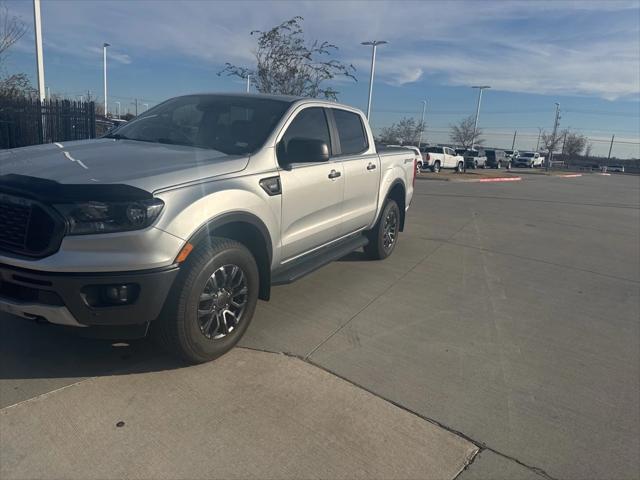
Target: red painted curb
(570, 175)
(501, 179)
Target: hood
(149, 166)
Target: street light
(424, 108)
(37, 24)
(104, 68)
(248, 82)
(374, 44)
(475, 125)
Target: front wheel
(212, 302)
(460, 167)
(384, 236)
(436, 167)
(499, 165)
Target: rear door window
(353, 139)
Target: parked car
(510, 154)
(497, 159)
(181, 219)
(528, 160)
(475, 159)
(615, 168)
(437, 158)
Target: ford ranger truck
(177, 222)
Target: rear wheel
(212, 302)
(499, 165)
(384, 236)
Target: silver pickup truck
(177, 222)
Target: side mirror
(306, 150)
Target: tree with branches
(12, 29)
(463, 133)
(287, 65)
(405, 132)
(574, 143)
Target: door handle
(334, 174)
(371, 166)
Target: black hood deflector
(49, 191)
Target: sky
(584, 55)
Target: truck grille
(28, 228)
(14, 222)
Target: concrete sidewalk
(249, 414)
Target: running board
(315, 260)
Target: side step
(313, 261)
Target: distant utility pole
(37, 27)
(374, 44)
(118, 110)
(424, 108)
(135, 101)
(564, 141)
(513, 144)
(610, 148)
(104, 67)
(248, 82)
(475, 125)
(553, 139)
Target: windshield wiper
(118, 136)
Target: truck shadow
(30, 350)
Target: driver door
(312, 192)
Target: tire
(419, 166)
(531, 166)
(436, 167)
(460, 167)
(206, 283)
(499, 165)
(379, 247)
(475, 165)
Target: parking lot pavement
(507, 315)
(248, 415)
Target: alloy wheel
(222, 302)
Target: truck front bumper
(86, 299)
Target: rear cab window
(351, 132)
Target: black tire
(377, 248)
(475, 165)
(436, 167)
(499, 165)
(460, 167)
(179, 330)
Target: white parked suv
(437, 158)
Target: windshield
(232, 125)
(433, 149)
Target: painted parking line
(501, 179)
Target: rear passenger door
(312, 192)
(361, 166)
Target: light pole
(248, 82)
(475, 125)
(553, 140)
(424, 108)
(104, 68)
(37, 24)
(374, 44)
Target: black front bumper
(22, 290)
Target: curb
(499, 179)
(569, 175)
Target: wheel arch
(247, 229)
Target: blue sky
(584, 55)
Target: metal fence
(25, 121)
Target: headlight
(108, 217)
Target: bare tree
(286, 65)
(549, 141)
(587, 151)
(463, 135)
(574, 143)
(405, 132)
(12, 29)
(16, 85)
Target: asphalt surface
(505, 323)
